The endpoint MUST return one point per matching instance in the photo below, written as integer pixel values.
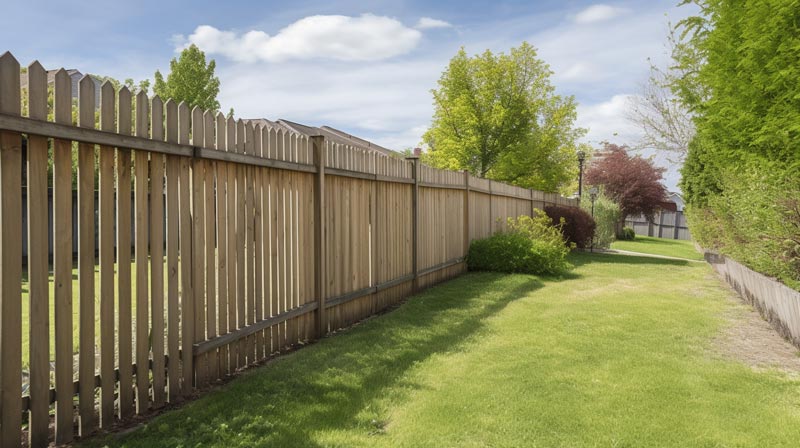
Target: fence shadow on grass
(330, 385)
(585, 258)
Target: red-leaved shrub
(578, 225)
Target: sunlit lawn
(75, 310)
(615, 354)
(660, 246)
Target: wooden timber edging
(777, 303)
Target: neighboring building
(674, 202)
(75, 76)
(677, 199)
(330, 133)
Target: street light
(581, 158)
(593, 196)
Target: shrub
(578, 226)
(606, 218)
(628, 234)
(755, 220)
(530, 245)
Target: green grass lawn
(75, 309)
(614, 354)
(659, 246)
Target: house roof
(329, 132)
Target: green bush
(530, 245)
(628, 234)
(755, 220)
(606, 217)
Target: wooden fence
(670, 225)
(265, 238)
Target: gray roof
(330, 133)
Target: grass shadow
(580, 259)
(331, 384)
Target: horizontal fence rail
(114, 303)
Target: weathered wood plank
(39, 294)
(11, 258)
(62, 260)
(157, 254)
(198, 246)
(124, 334)
(173, 239)
(141, 219)
(187, 295)
(86, 252)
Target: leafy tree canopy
(190, 79)
(632, 182)
(498, 116)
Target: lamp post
(593, 196)
(581, 158)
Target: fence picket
(198, 167)
(141, 218)
(157, 254)
(209, 141)
(186, 294)
(11, 257)
(86, 232)
(62, 258)
(173, 240)
(39, 294)
(124, 334)
(222, 243)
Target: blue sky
(364, 67)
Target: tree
(497, 116)
(665, 122)
(632, 182)
(190, 79)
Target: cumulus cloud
(598, 13)
(428, 23)
(364, 38)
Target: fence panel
(217, 243)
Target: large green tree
(190, 79)
(498, 116)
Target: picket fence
(264, 239)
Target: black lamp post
(581, 158)
(593, 196)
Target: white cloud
(606, 120)
(427, 23)
(364, 38)
(598, 13)
(387, 102)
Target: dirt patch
(750, 339)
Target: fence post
(491, 221)
(660, 222)
(675, 228)
(466, 213)
(318, 147)
(415, 221)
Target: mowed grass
(75, 309)
(659, 246)
(614, 354)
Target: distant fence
(266, 238)
(777, 303)
(670, 225)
